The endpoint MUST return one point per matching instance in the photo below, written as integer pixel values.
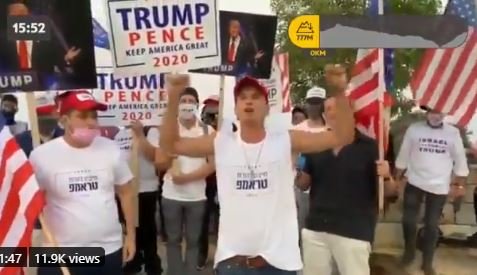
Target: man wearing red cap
(80, 174)
(47, 125)
(210, 111)
(258, 230)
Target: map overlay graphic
(387, 31)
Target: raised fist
(177, 82)
(336, 77)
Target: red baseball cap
(45, 105)
(247, 82)
(80, 101)
(45, 110)
(211, 100)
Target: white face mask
(435, 120)
(187, 110)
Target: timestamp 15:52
(31, 27)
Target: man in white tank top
(258, 230)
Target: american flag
(282, 61)
(101, 39)
(21, 200)
(446, 79)
(365, 88)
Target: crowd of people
(298, 200)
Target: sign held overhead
(164, 36)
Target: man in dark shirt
(47, 126)
(343, 205)
(9, 109)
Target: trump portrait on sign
(247, 44)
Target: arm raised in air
(170, 141)
(344, 129)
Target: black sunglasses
(211, 114)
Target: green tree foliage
(306, 71)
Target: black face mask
(210, 119)
(47, 126)
(315, 111)
(9, 116)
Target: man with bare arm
(258, 228)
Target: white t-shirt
(79, 184)
(18, 128)
(304, 126)
(257, 217)
(148, 179)
(192, 191)
(123, 139)
(431, 156)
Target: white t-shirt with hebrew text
(79, 184)
(258, 215)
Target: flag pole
(221, 102)
(35, 137)
(381, 90)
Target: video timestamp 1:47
(13, 256)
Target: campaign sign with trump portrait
(163, 36)
(247, 44)
(46, 45)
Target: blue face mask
(9, 117)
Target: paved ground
(449, 261)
